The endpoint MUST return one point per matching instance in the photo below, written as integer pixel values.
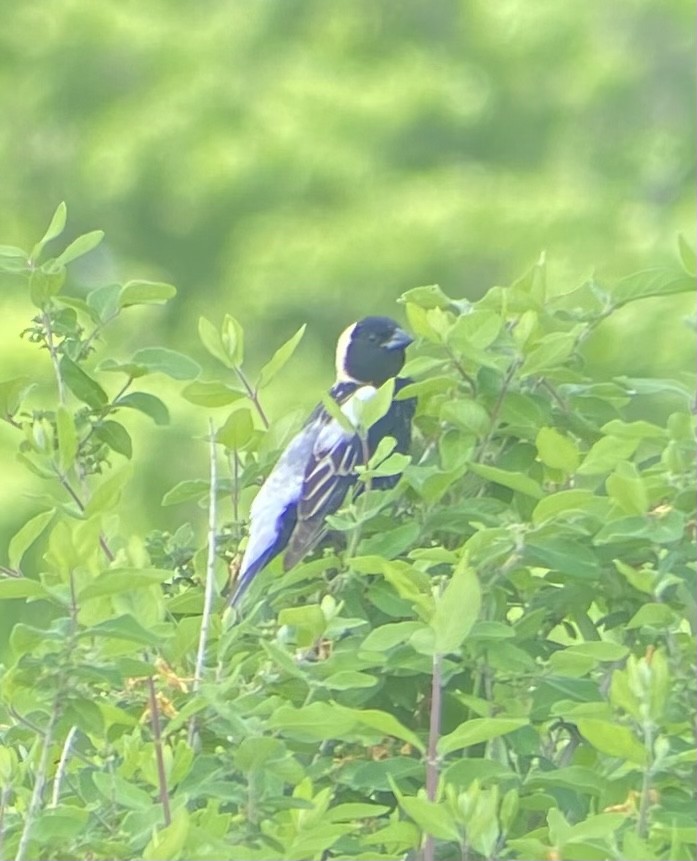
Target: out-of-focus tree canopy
(295, 161)
(309, 161)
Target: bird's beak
(399, 340)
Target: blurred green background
(293, 161)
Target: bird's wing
(329, 473)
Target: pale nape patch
(342, 375)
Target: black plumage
(318, 468)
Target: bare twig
(81, 505)
(432, 749)
(62, 765)
(508, 379)
(39, 783)
(253, 396)
(209, 593)
(159, 755)
(644, 801)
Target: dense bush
(494, 659)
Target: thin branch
(53, 352)
(80, 504)
(253, 396)
(508, 379)
(62, 765)
(234, 464)
(209, 593)
(644, 801)
(159, 755)
(39, 783)
(432, 750)
(457, 364)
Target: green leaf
(167, 843)
(211, 393)
(514, 480)
(279, 358)
(115, 788)
(145, 403)
(117, 580)
(651, 282)
(432, 818)
(347, 680)
(600, 650)
(567, 501)
(457, 609)
(467, 414)
(556, 450)
(562, 554)
(59, 824)
(420, 324)
(81, 385)
(22, 540)
(104, 301)
(605, 454)
(626, 487)
(168, 362)
(688, 257)
(80, 246)
(67, 438)
(427, 297)
(21, 587)
(115, 436)
(308, 620)
(54, 229)
(474, 331)
(598, 827)
(550, 352)
(233, 340)
(612, 739)
(213, 342)
(238, 430)
(389, 725)
(652, 615)
(312, 723)
(186, 491)
(634, 430)
(45, 282)
(124, 627)
(12, 393)
(145, 293)
(476, 731)
(108, 493)
(368, 405)
(11, 251)
(386, 637)
(663, 528)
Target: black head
(371, 351)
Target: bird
(318, 467)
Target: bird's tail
(246, 575)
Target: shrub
(493, 659)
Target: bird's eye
(372, 337)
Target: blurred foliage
(301, 162)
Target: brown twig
(253, 396)
(159, 755)
(80, 504)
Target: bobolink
(317, 469)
